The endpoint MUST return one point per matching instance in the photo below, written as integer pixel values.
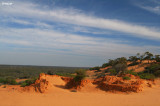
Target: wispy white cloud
(34, 23)
(153, 9)
(152, 6)
(76, 17)
(51, 41)
(11, 41)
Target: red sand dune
(88, 94)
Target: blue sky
(77, 32)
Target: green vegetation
(133, 59)
(120, 68)
(95, 68)
(157, 58)
(119, 65)
(133, 64)
(146, 75)
(100, 75)
(112, 71)
(131, 72)
(151, 72)
(61, 74)
(105, 65)
(148, 56)
(66, 74)
(28, 72)
(81, 74)
(126, 78)
(27, 82)
(153, 69)
(8, 80)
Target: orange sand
(88, 96)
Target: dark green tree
(148, 56)
(133, 59)
(157, 58)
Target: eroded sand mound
(72, 84)
(45, 82)
(113, 83)
(110, 83)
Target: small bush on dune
(100, 75)
(157, 73)
(120, 68)
(27, 82)
(24, 84)
(126, 78)
(133, 64)
(105, 65)
(146, 76)
(95, 68)
(113, 72)
(153, 69)
(50, 73)
(66, 74)
(131, 72)
(81, 74)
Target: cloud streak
(51, 41)
(153, 9)
(76, 17)
(152, 6)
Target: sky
(77, 33)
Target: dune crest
(108, 83)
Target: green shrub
(24, 84)
(95, 68)
(153, 69)
(28, 82)
(81, 74)
(8, 80)
(2, 80)
(133, 64)
(131, 72)
(113, 72)
(50, 73)
(157, 73)
(120, 68)
(66, 74)
(100, 75)
(11, 81)
(105, 65)
(146, 75)
(126, 78)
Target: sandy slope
(57, 96)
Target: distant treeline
(18, 71)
